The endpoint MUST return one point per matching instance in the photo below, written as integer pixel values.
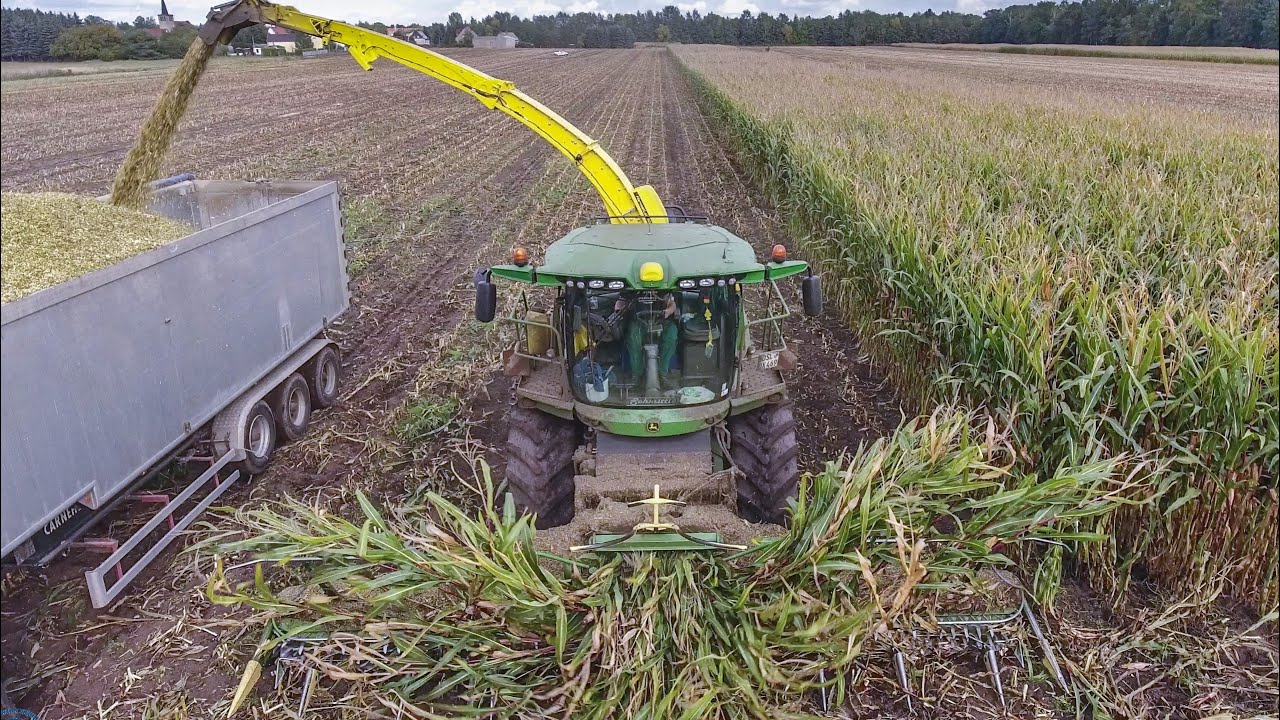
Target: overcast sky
(429, 11)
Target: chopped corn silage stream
(434, 611)
(142, 164)
(49, 238)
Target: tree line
(38, 35)
(1232, 23)
(35, 34)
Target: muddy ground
(434, 186)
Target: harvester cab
(651, 354)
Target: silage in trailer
(50, 238)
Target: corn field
(1100, 276)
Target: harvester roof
(655, 256)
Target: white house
(412, 34)
(281, 38)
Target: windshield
(651, 348)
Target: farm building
(281, 38)
(412, 34)
(501, 41)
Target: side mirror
(811, 289)
(486, 297)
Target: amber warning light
(520, 256)
(779, 253)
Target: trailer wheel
(540, 468)
(259, 439)
(291, 404)
(324, 375)
(764, 448)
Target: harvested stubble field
(435, 185)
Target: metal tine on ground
(903, 682)
(292, 653)
(993, 665)
(308, 685)
(1045, 646)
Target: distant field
(1248, 56)
(12, 70)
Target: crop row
(1104, 282)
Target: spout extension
(227, 19)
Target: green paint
(657, 542)
(659, 421)
(686, 251)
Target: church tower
(165, 19)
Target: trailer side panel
(105, 375)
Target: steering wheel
(600, 328)
(649, 318)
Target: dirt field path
(434, 186)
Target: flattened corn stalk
(434, 611)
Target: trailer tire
(259, 439)
(324, 375)
(540, 466)
(291, 404)
(763, 447)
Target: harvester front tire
(540, 466)
(763, 447)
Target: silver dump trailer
(206, 351)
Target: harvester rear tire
(540, 465)
(763, 447)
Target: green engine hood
(686, 251)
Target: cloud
(734, 8)
(978, 7)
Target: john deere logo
(653, 426)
